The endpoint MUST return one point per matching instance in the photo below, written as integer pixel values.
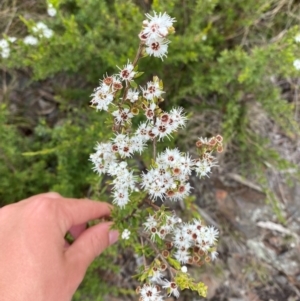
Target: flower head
(157, 47)
(158, 25)
(51, 10)
(127, 73)
(30, 40)
(126, 234)
(297, 64)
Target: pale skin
(36, 263)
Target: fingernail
(113, 236)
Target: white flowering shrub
(175, 244)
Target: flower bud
(219, 138)
(135, 111)
(220, 149)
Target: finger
(41, 196)
(76, 230)
(91, 243)
(79, 211)
(52, 195)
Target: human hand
(36, 263)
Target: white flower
(30, 40)
(150, 292)
(149, 112)
(121, 198)
(4, 44)
(4, 48)
(12, 39)
(48, 33)
(211, 234)
(142, 131)
(171, 156)
(138, 144)
(158, 26)
(214, 255)
(184, 269)
(151, 222)
(42, 30)
(51, 10)
(126, 234)
(161, 130)
(171, 288)
(5, 52)
(124, 145)
(157, 47)
(102, 98)
(156, 275)
(122, 116)
(132, 95)
(297, 64)
(152, 90)
(178, 117)
(297, 38)
(127, 72)
(203, 167)
(182, 256)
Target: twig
(144, 258)
(245, 182)
(170, 269)
(151, 204)
(137, 57)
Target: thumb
(90, 244)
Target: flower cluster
(193, 241)
(189, 243)
(5, 46)
(149, 292)
(176, 244)
(42, 30)
(168, 179)
(154, 33)
(51, 11)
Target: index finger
(79, 211)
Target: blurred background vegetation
(230, 65)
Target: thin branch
(136, 59)
(170, 269)
(144, 257)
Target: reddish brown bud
(212, 141)
(117, 86)
(196, 258)
(207, 259)
(201, 252)
(108, 80)
(163, 267)
(198, 144)
(165, 253)
(153, 230)
(165, 117)
(169, 245)
(196, 249)
(170, 193)
(219, 138)
(220, 149)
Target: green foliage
(229, 53)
